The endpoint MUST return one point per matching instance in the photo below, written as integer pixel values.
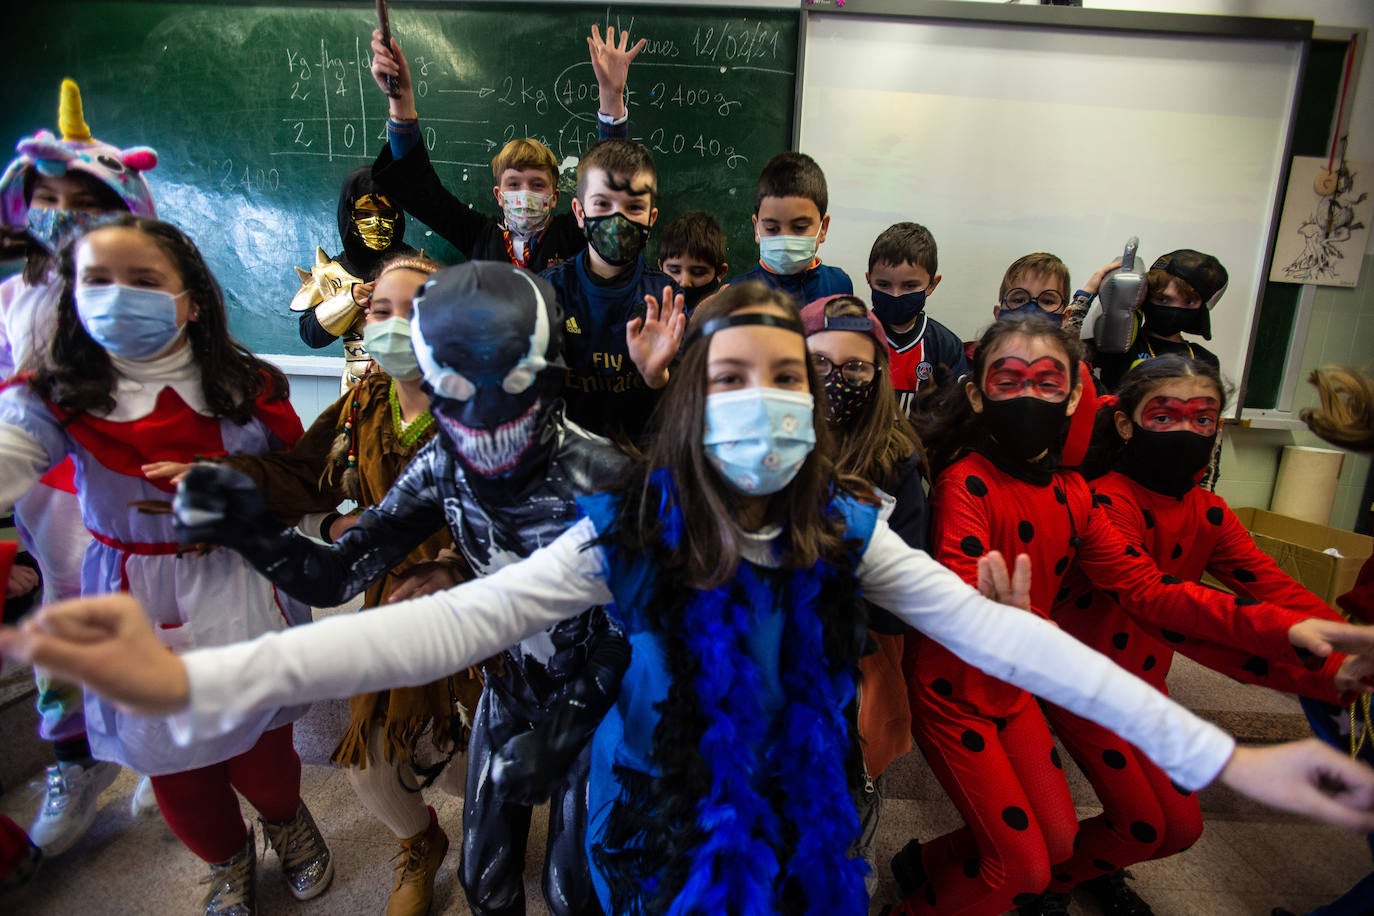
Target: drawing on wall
(1325, 225)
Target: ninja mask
(488, 337)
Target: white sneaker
(144, 801)
(70, 804)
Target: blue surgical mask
(898, 311)
(388, 343)
(128, 321)
(53, 227)
(758, 438)
(787, 254)
(1029, 310)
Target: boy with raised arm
(527, 233)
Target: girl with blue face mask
(141, 369)
(733, 556)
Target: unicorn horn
(70, 120)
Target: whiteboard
(1004, 139)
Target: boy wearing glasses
(903, 270)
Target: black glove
(216, 504)
(528, 767)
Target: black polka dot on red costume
(1025, 531)
(1060, 565)
(1176, 552)
(971, 546)
(1025, 899)
(1084, 601)
(1101, 499)
(970, 868)
(1015, 818)
(1111, 593)
(1256, 665)
(1170, 580)
(1131, 551)
(1244, 575)
(1143, 832)
(1114, 759)
(1215, 516)
(972, 740)
(1103, 865)
(1056, 759)
(1000, 722)
(1246, 601)
(1179, 789)
(1171, 636)
(975, 485)
(1061, 594)
(943, 687)
(1149, 517)
(1120, 640)
(1059, 495)
(1148, 664)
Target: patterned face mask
(844, 399)
(53, 227)
(616, 238)
(526, 211)
(758, 438)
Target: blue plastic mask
(758, 438)
(129, 322)
(787, 254)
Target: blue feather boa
(737, 868)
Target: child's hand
(653, 340)
(23, 579)
(424, 579)
(611, 62)
(995, 583)
(1355, 676)
(165, 470)
(1308, 778)
(391, 62)
(108, 644)
(1095, 281)
(1321, 637)
(362, 293)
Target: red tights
(200, 805)
(1144, 815)
(1005, 777)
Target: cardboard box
(1297, 546)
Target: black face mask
(1024, 428)
(692, 295)
(1166, 462)
(898, 311)
(1166, 320)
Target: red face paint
(1012, 377)
(1164, 414)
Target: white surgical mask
(388, 343)
(758, 438)
(130, 322)
(787, 254)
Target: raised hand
(654, 339)
(611, 63)
(391, 62)
(106, 643)
(995, 583)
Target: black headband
(733, 321)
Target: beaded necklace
(407, 435)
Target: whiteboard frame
(961, 12)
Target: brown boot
(417, 864)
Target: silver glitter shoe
(305, 859)
(233, 884)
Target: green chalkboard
(258, 111)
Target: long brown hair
(76, 372)
(711, 545)
(875, 444)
